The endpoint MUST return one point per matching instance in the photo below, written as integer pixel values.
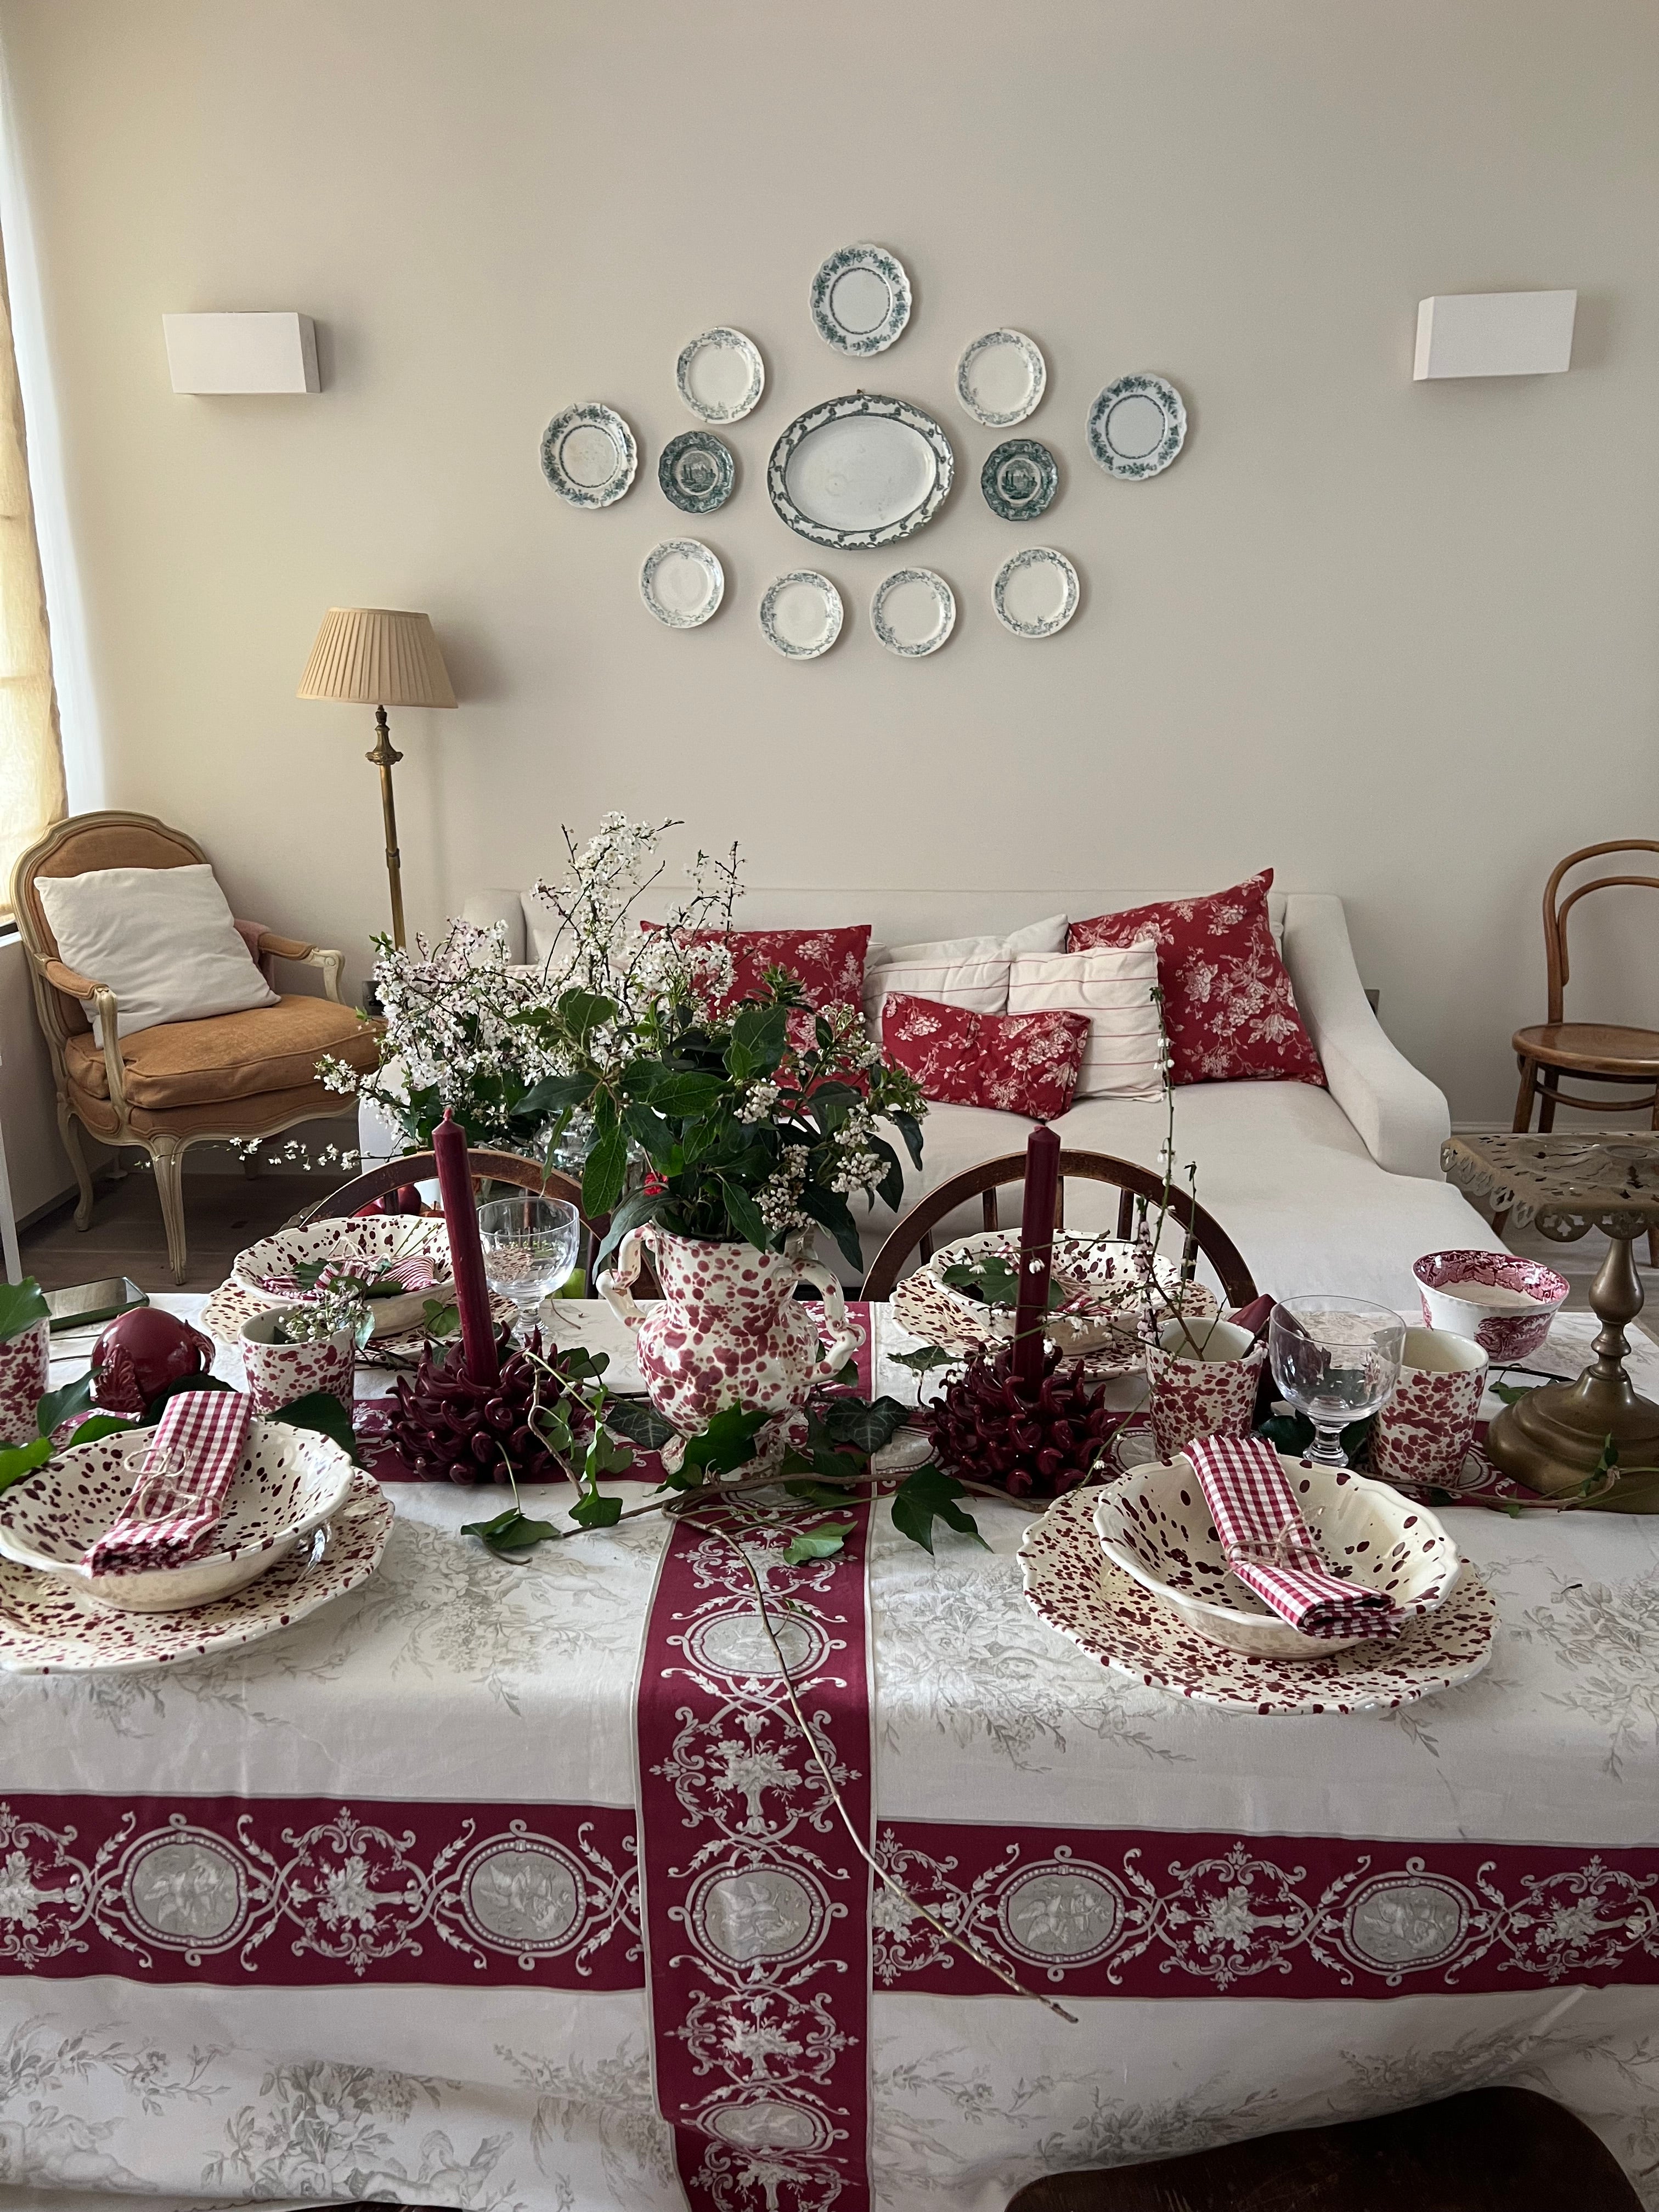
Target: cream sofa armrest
(1401, 1115)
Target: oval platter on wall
(860, 471)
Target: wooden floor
(223, 1213)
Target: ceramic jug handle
(616, 1284)
(847, 1336)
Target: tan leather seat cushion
(242, 1055)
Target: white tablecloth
(452, 1689)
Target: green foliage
(440, 1318)
(820, 1543)
(18, 1459)
(866, 1428)
(994, 1280)
(924, 1360)
(510, 1536)
(21, 1306)
(721, 1447)
(58, 1405)
(927, 1496)
(638, 1420)
(100, 1426)
(322, 1411)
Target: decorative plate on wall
(1019, 479)
(860, 471)
(589, 456)
(696, 472)
(1035, 591)
(720, 375)
(861, 299)
(999, 378)
(800, 614)
(682, 582)
(1137, 426)
(913, 611)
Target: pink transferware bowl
(1509, 1331)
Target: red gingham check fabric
(1270, 1547)
(210, 1428)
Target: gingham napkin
(417, 1273)
(166, 1522)
(1270, 1548)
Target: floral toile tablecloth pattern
(358, 1911)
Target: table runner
(425, 1803)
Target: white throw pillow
(161, 938)
(982, 985)
(1046, 936)
(1113, 987)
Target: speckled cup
(1210, 1395)
(1423, 1432)
(25, 1374)
(277, 1374)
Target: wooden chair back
(1555, 911)
(1204, 1233)
(422, 1167)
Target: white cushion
(161, 938)
(1046, 936)
(981, 986)
(1113, 987)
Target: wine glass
(1336, 1360)
(529, 1247)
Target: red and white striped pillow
(1111, 988)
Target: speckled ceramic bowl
(290, 1482)
(1099, 1271)
(1155, 1525)
(379, 1236)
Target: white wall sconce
(1494, 334)
(242, 353)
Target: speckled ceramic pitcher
(728, 1331)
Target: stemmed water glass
(529, 1247)
(1337, 1360)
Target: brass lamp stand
(1555, 1438)
(380, 657)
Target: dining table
(573, 1882)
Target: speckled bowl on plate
(1099, 1268)
(376, 1236)
(290, 1482)
(1155, 1525)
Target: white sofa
(1322, 1190)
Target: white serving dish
(1511, 1321)
(375, 1236)
(1155, 1525)
(862, 470)
(289, 1483)
(1105, 1266)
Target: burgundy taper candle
(465, 1253)
(1036, 1253)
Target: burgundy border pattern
(298, 1892)
(1101, 1912)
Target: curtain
(32, 793)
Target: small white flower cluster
(760, 1102)
(778, 1196)
(858, 1166)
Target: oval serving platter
(800, 614)
(863, 470)
(1001, 378)
(720, 375)
(589, 455)
(913, 612)
(861, 299)
(696, 472)
(682, 582)
(1136, 427)
(1020, 480)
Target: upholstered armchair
(182, 1083)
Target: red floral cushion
(1018, 1063)
(828, 964)
(1228, 1005)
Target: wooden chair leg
(168, 1155)
(1550, 1085)
(69, 1130)
(1523, 1120)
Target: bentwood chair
(1487, 2150)
(493, 1166)
(180, 1083)
(1203, 1232)
(1599, 1052)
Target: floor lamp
(380, 657)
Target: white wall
(1397, 640)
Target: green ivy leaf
(440, 1318)
(100, 1426)
(725, 1443)
(510, 1532)
(821, 1543)
(18, 1459)
(321, 1411)
(57, 1405)
(815, 1494)
(1511, 1393)
(605, 1455)
(21, 1306)
(638, 1420)
(927, 1496)
(926, 1359)
(592, 1511)
(866, 1428)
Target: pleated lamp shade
(377, 657)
